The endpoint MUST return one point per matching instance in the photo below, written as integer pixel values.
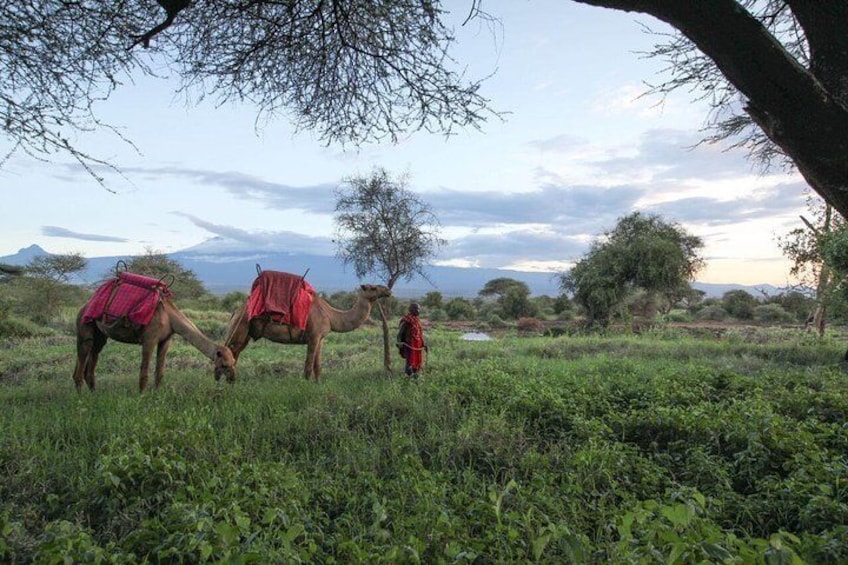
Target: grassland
(659, 448)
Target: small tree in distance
(384, 229)
(512, 297)
(50, 277)
(642, 252)
(803, 246)
(185, 283)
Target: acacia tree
(641, 252)
(351, 71)
(775, 71)
(803, 245)
(48, 282)
(182, 281)
(384, 229)
(513, 297)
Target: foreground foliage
(662, 448)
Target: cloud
(558, 144)
(318, 199)
(578, 208)
(553, 218)
(236, 239)
(55, 231)
(674, 155)
(497, 250)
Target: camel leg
(83, 352)
(238, 334)
(146, 354)
(161, 353)
(316, 362)
(238, 344)
(309, 366)
(96, 348)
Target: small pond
(475, 336)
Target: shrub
(679, 316)
(530, 325)
(13, 327)
(739, 304)
(496, 321)
(714, 312)
(772, 313)
(460, 309)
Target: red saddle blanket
(129, 295)
(284, 296)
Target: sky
(578, 147)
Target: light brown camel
(167, 320)
(322, 320)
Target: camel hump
(285, 297)
(128, 296)
(145, 282)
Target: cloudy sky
(578, 148)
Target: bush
(496, 321)
(739, 304)
(460, 309)
(13, 327)
(679, 316)
(530, 325)
(437, 315)
(773, 313)
(714, 313)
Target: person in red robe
(410, 341)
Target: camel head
(225, 364)
(372, 292)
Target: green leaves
(641, 252)
(637, 449)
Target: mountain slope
(224, 268)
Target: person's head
(414, 309)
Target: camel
(322, 320)
(167, 320)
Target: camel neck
(348, 320)
(186, 328)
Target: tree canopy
(513, 296)
(385, 229)
(351, 71)
(642, 252)
(776, 71)
(183, 282)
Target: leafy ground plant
(659, 448)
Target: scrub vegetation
(663, 447)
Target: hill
(223, 268)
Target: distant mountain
(224, 266)
(23, 256)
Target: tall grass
(615, 449)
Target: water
(475, 336)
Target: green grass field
(659, 448)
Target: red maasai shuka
(414, 343)
(284, 296)
(128, 295)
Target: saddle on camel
(282, 298)
(133, 308)
(284, 308)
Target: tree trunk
(387, 345)
(803, 113)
